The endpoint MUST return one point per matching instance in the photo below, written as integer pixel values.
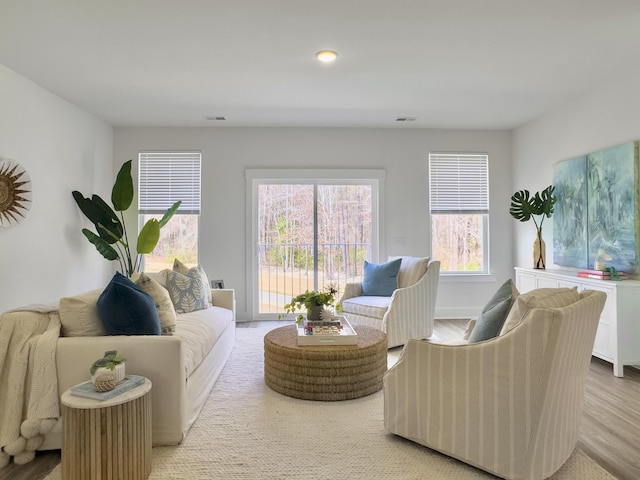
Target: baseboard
(456, 313)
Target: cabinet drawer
(525, 283)
(546, 282)
(570, 284)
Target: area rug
(247, 431)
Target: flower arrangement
(313, 301)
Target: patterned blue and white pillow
(180, 267)
(186, 291)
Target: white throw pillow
(162, 300)
(160, 277)
(412, 269)
(79, 315)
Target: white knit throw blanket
(29, 407)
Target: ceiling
(490, 64)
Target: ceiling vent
(218, 118)
(406, 119)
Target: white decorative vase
(118, 373)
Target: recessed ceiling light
(326, 56)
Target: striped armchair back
(511, 405)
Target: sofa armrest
(146, 355)
(412, 309)
(225, 298)
(157, 358)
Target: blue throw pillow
(494, 313)
(380, 280)
(125, 309)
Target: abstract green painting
(570, 213)
(597, 208)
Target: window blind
(165, 178)
(459, 183)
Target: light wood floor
(610, 427)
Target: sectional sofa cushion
(199, 332)
(380, 279)
(367, 306)
(494, 313)
(125, 309)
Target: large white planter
(118, 373)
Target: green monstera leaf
(546, 200)
(524, 206)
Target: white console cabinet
(618, 337)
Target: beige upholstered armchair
(511, 405)
(408, 313)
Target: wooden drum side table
(325, 372)
(107, 439)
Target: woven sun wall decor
(15, 193)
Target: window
(459, 205)
(163, 179)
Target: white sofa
(182, 367)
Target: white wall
(62, 148)
(227, 152)
(605, 117)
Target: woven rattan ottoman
(325, 372)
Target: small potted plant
(315, 303)
(108, 369)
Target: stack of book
(322, 323)
(600, 275)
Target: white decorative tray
(342, 335)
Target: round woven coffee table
(325, 372)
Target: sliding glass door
(310, 234)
